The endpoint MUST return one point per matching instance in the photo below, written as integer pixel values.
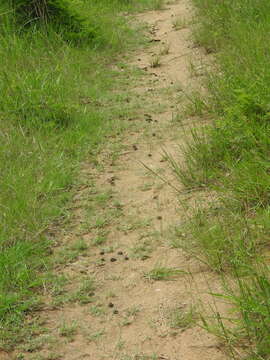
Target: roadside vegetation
(57, 105)
(231, 158)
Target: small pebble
(102, 259)
(113, 259)
(153, 134)
(159, 217)
(111, 305)
(102, 252)
(135, 147)
(149, 155)
(126, 258)
(115, 311)
(120, 253)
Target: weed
(155, 61)
(100, 223)
(79, 245)
(99, 240)
(146, 186)
(97, 310)
(179, 23)
(180, 318)
(130, 316)
(142, 249)
(95, 336)
(134, 224)
(163, 273)
(85, 293)
(133, 311)
(68, 330)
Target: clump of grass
(142, 249)
(163, 273)
(95, 336)
(68, 330)
(80, 245)
(155, 61)
(180, 318)
(179, 23)
(249, 328)
(97, 310)
(85, 293)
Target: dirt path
(143, 302)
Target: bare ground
(139, 307)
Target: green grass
(179, 318)
(163, 273)
(56, 107)
(231, 158)
(68, 330)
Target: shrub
(64, 15)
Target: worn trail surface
(139, 306)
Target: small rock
(135, 147)
(111, 305)
(149, 155)
(102, 252)
(120, 253)
(154, 134)
(102, 259)
(115, 312)
(126, 258)
(159, 217)
(113, 259)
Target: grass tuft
(163, 273)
